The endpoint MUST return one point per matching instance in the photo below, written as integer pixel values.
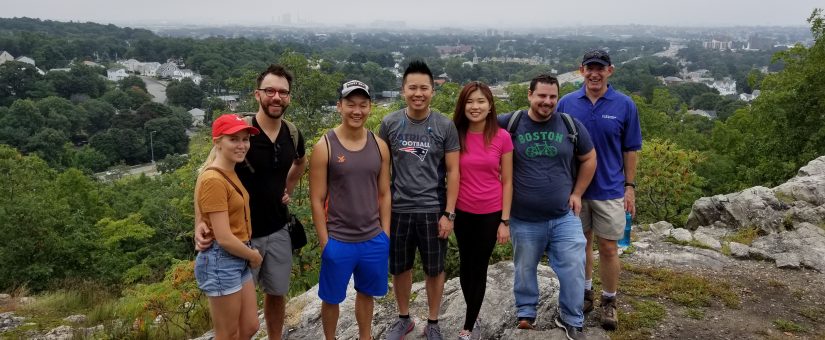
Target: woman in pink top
(484, 193)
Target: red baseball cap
(229, 124)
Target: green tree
(445, 98)
(668, 182)
(184, 93)
(132, 81)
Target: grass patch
(695, 313)
(776, 283)
(682, 288)
(788, 326)
(798, 294)
(638, 322)
(725, 249)
(744, 236)
(813, 313)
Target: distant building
(749, 96)
(149, 69)
(27, 60)
(703, 113)
(116, 74)
(725, 86)
(390, 94)
(197, 116)
(718, 44)
(168, 70)
(131, 65)
(5, 56)
(92, 63)
(672, 80)
(446, 51)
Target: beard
(267, 109)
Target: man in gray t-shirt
(424, 183)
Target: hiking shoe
(526, 322)
(570, 332)
(464, 335)
(588, 301)
(432, 331)
(400, 329)
(610, 319)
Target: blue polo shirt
(613, 124)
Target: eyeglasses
(271, 92)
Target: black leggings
(476, 236)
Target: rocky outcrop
(497, 312)
(790, 219)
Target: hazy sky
(422, 13)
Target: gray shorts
(273, 275)
(606, 218)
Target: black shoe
(588, 301)
(526, 322)
(571, 333)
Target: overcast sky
(422, 13)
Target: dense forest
(128, 242)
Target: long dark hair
(462, 124)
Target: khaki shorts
(273, 275)
(605, 217)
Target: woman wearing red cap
(223, 270)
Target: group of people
(530, 177)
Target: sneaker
(526, 322)
(464, 335)
(400, 329)
(570, 332)
(610, 319)
(476, 333)
(588, 301)
(432, 331)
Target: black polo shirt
(264, 177)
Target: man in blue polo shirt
(612, 120)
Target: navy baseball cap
(596, 57)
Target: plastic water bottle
(625, 241)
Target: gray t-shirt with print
(419, 168)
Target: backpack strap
(572, 131)
(512, 124)
(293, 130)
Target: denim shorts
(220, 273)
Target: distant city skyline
(419, 14)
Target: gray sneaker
(432, 331)
(400, 329)
(570, 332)
(476, 335)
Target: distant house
(27, 60)
(149, 69)
(672, 80)
(230, 100)
(131, 64)
(91, 63)
(390, 94)
(116, 74)
(167, 70)
(749, 96)
(5, 56)
(62, 69)
(703, 113)
(725, 87)
(197, 116)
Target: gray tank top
(352, 190)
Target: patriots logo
(418, 152)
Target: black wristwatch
(630, 184)
(449, 215)
(506, 222)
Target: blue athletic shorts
(366, 261)
(220, 273)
